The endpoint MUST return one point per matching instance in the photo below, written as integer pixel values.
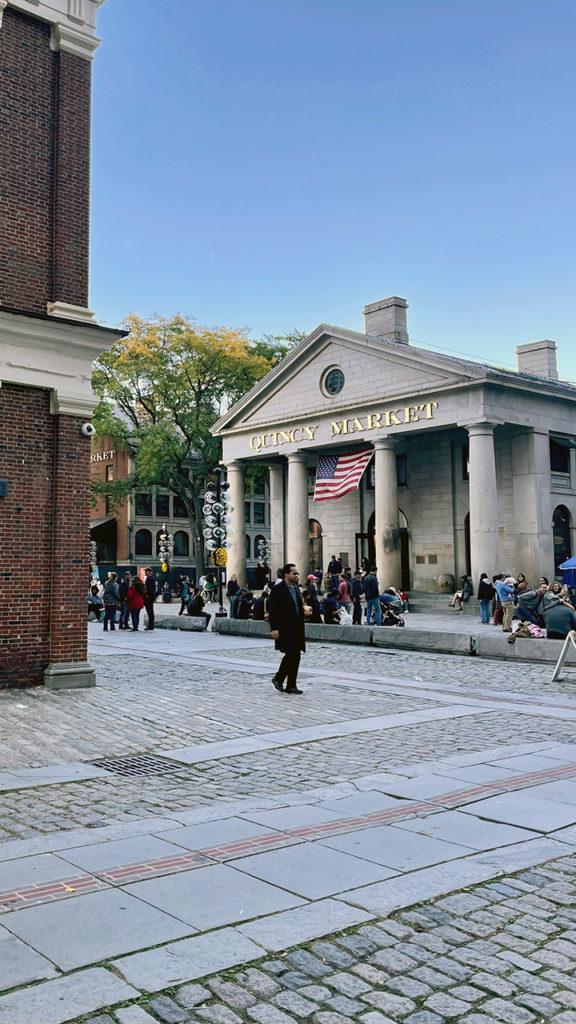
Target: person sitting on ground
(260, 606)
(95, 603)
(330, 609)
(244, 610)
(521, 583)
(196, 606)
(310, 598)
(463, 594)
(531, 605)
(559, 615)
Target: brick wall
(44, 168)
(34, 578)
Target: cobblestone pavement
(498, 951)
(25, 813)
(502, 952)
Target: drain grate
(139, 765)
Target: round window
(333, 381)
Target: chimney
(538, 358)
(387, 319)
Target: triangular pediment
(374, 370)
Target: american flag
(337, 475)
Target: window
(402, 470)
(248, 547)
(259, 513)
(109, 501)
(143, 504)
(332, 381)
(143, 542)
(246, 511)
(162, 506)
(465, 462)
(370, 476)
(260, 478)
(311, 472)
(559, 456)
(181, 544)
(179, 508)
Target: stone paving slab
(281, 931)
(15, 874)
(293, 817)
(212, 897)
(312, 870)
(526, 811)
(215, 833)
(19, 964)
(185, 961)
(89, 928)
(59, 1001)
(120, 853)
(362, 803)
(404, 891)
(396, 849)
(474, 833)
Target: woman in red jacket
(135, 601)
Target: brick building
(126, 535)
(48, 339)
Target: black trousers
(289, 668)
(357, 614)
(149, 606)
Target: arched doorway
(316, 553)
(562, 526)
(404, 533)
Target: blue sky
(273, 164)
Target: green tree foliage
(162, 388)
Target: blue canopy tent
(569, 572)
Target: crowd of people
(342, 598)
(545, 610)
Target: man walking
(357, 592)
(150, 584)
(286, 616)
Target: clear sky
(273, 164)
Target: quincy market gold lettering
(389, 418)
(356, 424)
(277, 437)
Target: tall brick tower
(48, 339)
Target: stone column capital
(235, 466)
(481, 427)
(385, 443)
(297, 457)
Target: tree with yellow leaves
(161, 389)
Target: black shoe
(277, 683)
(293, 689)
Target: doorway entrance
(562, 526)
(366, 548)
(316, 553)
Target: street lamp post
(165, 549)
(215, 511)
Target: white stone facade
(477, 490)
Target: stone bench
(186, 623)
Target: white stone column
(236, 523)
(387, 535)
(276, 517)
(483, 498)
(298, 537)
(533, 507)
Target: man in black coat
(286, 616)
